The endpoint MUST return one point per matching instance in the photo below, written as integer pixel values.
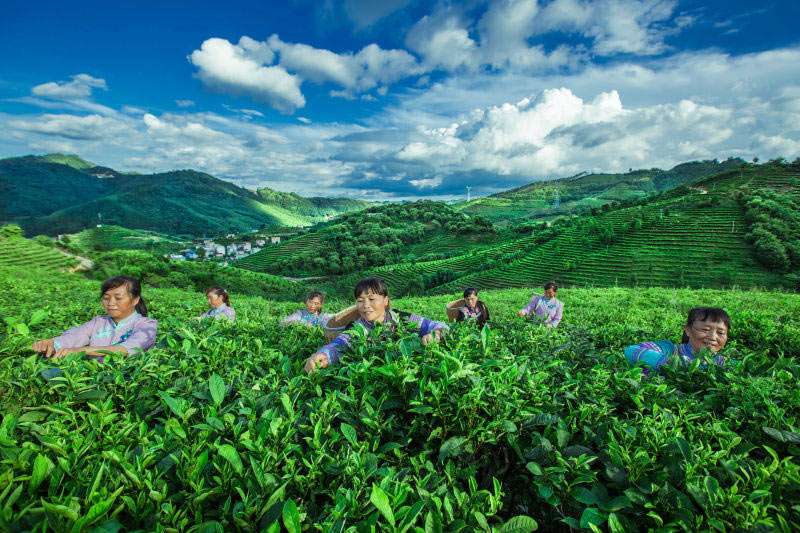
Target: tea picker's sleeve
(333, 350)
(228, 312)
(426, 325)
(294, 317)
(143, 336)
(531, 305)
(652, 354)
(77, 337)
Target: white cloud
(426, 183)
(184, 103)
(304, 120)
(442, 39)
(88, 127)
(354, 72)
(240, 70)
(79, 88)
(616, 26)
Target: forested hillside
(358, 241)
(65, 194)
(581, 193)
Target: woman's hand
(436, 336)
(317, 361)
(549, 325)
(46, 346)
(521, 312)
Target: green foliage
(64, 194)
(363, 240)
(158, 271)
(11, 230)
(585, 193)
(775, 228)
(218, 428)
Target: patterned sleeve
(652, 354)
(332, 350)
(426, 325)
(557, 316)
(143, 337)
(76, 337)
(229, 313)
(531, 305)
(294, 317)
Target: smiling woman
(706, 327)
(374, 309)
(125, 328)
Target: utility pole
(733, 225)
(556, 200)
(662, 214)
(468, 194)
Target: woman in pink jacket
(545, 306)
(125, 328)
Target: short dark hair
(133, 287)
(314, 294)
(469, 291)
(714, 314)
(373, 285)
(550, 285)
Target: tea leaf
(291, 518)
(232, 456)
(216, 387)
(349, 433)
(381, 502)
(520, 524)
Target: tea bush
(509, 429)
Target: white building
(261, 242)
(275, 240)
(247, 246)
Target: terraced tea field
(26, 253)
(514, 428)
(109, 237)
(261, 261)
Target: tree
(11, 230)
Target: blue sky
(400, 99)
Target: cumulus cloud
(442, 39)
(79, 88)
(243, 70)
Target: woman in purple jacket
(545, 306)
(220, 302)
(372, 303)
(125, 328)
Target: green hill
(19, 252)
(64, 194)
(380, 235)
(110, 237)
(580, 193)
(697, 237)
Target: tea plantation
(516, 428)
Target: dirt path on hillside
(84, 264)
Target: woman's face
(550, 293)
(372, 306)
(471, 300)
(706, 333)
(313, 305)
(118, 303)
(214, 299)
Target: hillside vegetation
(356, 241)
(59, 194)
(578, 194)
(514, 428)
